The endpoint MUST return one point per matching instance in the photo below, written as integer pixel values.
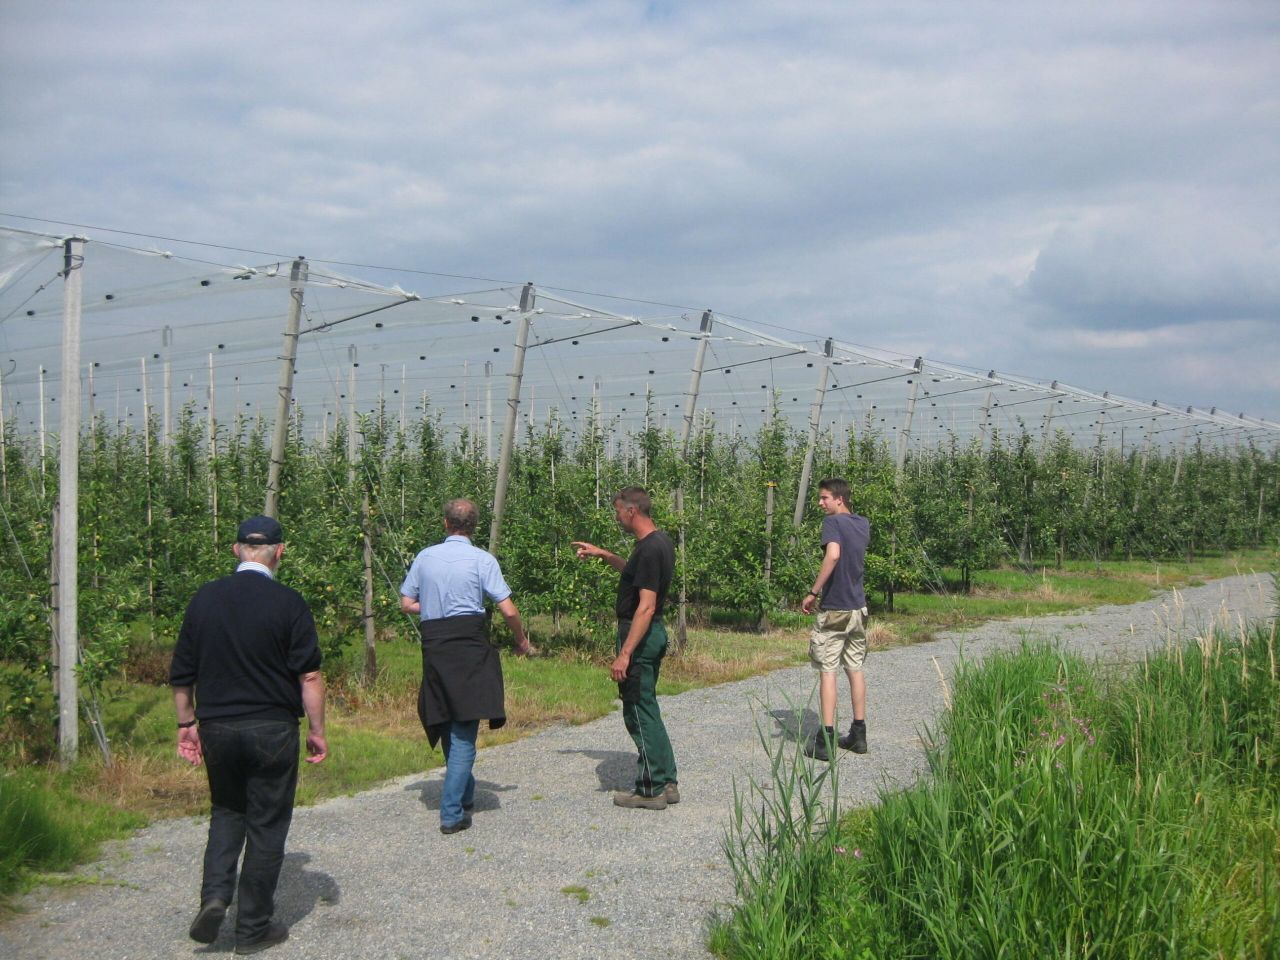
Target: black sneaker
(204, 928)
(463, 824)
(276, 932)
(856, 739)
(820, 748)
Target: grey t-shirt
(843, 591)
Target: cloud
(949, 180)
(1172, 262)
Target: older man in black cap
(245, 668)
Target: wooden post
(146, 465)
(488, 412)
(298, 277)
(44, 453)
(595, 434)
(4, 448)
(54, 647)
(213, 453)
(513, 408)
(763, 624)
(166, 424)
(351, 415)
(986, 420)
(370, 630)
(68, 498)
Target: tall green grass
(1070, 812)
(45, 829)
(779, 845)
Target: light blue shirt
(451, 579)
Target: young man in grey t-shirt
(839, 634)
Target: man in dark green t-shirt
(641, 644)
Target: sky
(1088, 192)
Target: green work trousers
(656, 766)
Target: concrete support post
(690, 404)
(68, 499)
(298, 277)
(904, 436)
(527, 298)
(815, 417)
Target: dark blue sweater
(244, 642)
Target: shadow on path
(798, 726)
(486, 793)
(615, 771)
(297, 893)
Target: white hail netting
(215, 330)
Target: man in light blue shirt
(461, 674)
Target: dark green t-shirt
(650, 567)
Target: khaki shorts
(839, 639)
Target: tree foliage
(156, 520)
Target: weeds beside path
(370, 875)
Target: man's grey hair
(257, 552)
(461, 517)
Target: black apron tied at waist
(461, 675)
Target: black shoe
(463, 824)
(204, 928)
(276, 932)
(856, 739)
(820, 748)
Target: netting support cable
(298, 279)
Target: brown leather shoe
(638, 801)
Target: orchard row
(157, 521)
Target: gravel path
(370, 876)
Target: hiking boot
(856, 739)
(638, 801)
(275, 933)
(463, 824)
(671, 793)
(204, 928)
(820, 748)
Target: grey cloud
(942, 179)
(1164, 264)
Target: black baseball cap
(260, 529)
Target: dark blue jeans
(253, 769)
